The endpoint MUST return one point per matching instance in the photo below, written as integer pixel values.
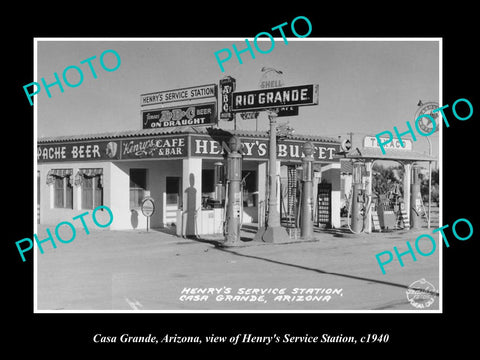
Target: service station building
(182, 169)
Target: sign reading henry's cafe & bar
(156, 147)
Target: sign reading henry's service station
(300, 95)
(198, 114)
(190, 93)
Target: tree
(435, 187)
(385, 178)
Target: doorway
(173, 199)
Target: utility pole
(351, 137)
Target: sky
(365, 87)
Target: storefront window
(62, 187)
(138, 186)
(92, 192)
(90, 181)
(208, 181)
(63, 193)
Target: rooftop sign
(371, 142)
(300, 95)
(190, 93)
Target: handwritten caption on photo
(259, 295)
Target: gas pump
(233, 201)
(306, 225)
(359, 200)
(415, 199)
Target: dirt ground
(158, 271)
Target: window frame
(65, 193)
(95, 186)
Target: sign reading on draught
(300, 95)
(191, 93)
(201, 114)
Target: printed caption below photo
(245, 338)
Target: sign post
(267, 100)
(274, 232)
(148, 208)
(427, 109)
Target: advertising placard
(154, 147)
(197, 114)
(78, 151)
(227, 87)
(148, 207)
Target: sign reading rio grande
(275, 97)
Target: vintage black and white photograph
(259, 174)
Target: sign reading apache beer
(191, 93)
(275, 97)
(201, 114)
(79, 151)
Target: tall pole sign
(272, 78)
(426, 112)
(267, 100)
(227, 87)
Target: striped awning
(59, 173)
(88, 173)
